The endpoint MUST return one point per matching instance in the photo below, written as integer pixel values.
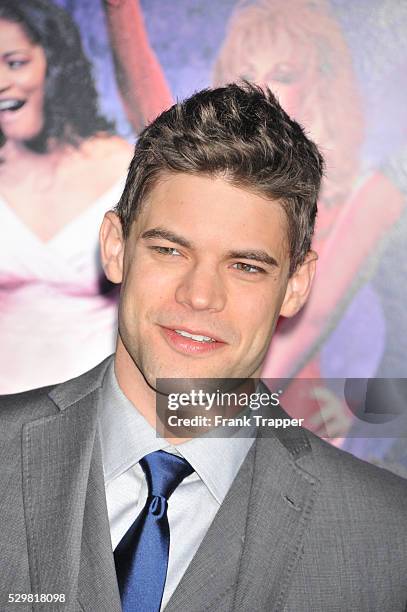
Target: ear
(299, 286)
(112, 247)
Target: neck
(13, 150)
(134, 386)
(15, 154)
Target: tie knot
(164, 472)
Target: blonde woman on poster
(298, 50)
(61, 168)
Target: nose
(202, 288)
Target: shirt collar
(127, 437)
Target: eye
(165, 250)
(287, 79)
(15, 64)
(284, 73)
(249, 268)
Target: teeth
(193, 336)
(11, 104)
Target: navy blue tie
(141, 557)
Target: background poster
(336, 66)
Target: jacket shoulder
(20, 408)
(358, 481)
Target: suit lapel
(213, 570)
(280, 508)
(64, 501)
(97, 588)
(255, 541)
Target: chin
(182, 371)
(21, 137)
(31, 131)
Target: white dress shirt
(127, 437)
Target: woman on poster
(61, 168)
(299, 51)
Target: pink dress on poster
(55, 322)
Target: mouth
(11, 104)
(192, 342)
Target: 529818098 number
(36, 597)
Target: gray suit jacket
(304, 528)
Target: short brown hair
(238, 132)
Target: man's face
(209, 260)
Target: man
(211, 242)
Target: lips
(196, 332)
(189, 346)
(11, 104)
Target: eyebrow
(252, 254)
(159, 232)
(256, 255)
(8, 53)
